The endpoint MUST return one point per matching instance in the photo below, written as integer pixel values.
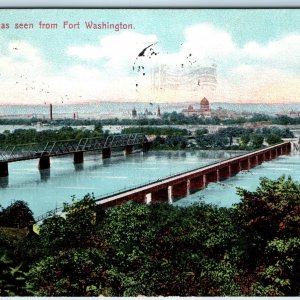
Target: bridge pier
(128, 149)
(188, 187)
(106, 152)
(146, 147)
(170, 194)
(3, 169)
(148, 198)
(260, 158)
(78, 157)
(44, 162)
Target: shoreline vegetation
(162, 138)
(167, 118)
(250, 249)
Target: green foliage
(271, 222)
(74, 272)
(26, 136)
(273, 139)
(165, 250)
(251, 249)
(169, 131)
(257, 140)
(76, 229)
(12, 278)
(200, 132)
(17, 215)
(213, 141)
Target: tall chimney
(51, 115)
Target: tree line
(26, 136)
(229, 138)
(250, 249)
(173, 118)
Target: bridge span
(43, 152)
(178, 186)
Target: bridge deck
(175, 178)
(33, 151)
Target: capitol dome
(204, 101)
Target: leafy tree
(79, 272)
(12, 278)
(257, 140)
(17, 215)
(273, 139)
(245, 139)
(165, 250)
(200, 132)
(270, 219)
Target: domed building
(205, 107)
(204, 110)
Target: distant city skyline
(256, 54)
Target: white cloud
(205, 40)
(284, 50)
(120, 50)
(103, 71)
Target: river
(48, 189)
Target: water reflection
(4, 182)
(45, 175)
(78, 167)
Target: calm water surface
(45, 190)
(224, 193)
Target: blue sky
(256, 52)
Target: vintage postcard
(149, 152)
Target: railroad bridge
(181, 185)
(178, 186)
(43, 152)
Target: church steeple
(134, 113)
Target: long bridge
(43, 152)
(180, 185)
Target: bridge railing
(36, 150)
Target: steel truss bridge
(36, 150)
(43, 152)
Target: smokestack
(51, 115)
